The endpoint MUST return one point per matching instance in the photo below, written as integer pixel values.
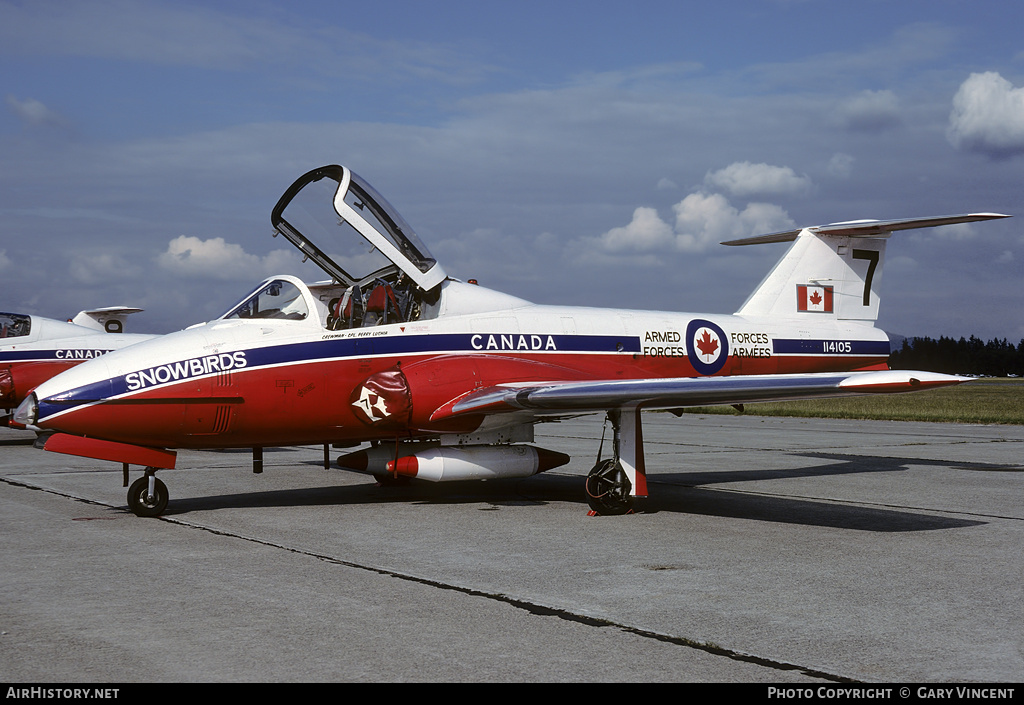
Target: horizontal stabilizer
(867, 228)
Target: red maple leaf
(706, 344)
(816, 298)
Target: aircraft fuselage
(280, 382)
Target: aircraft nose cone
(27, 412)
(79, 386)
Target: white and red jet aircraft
(446, 379)
(33, 348)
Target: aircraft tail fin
(832, 270)
(109, 320)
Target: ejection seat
(351, 311)
(382, 306)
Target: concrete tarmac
(771, 550)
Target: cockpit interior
(15, 325)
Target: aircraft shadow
(493, 494)
(726, 504)
(839, 464)
(18, 441)
(680, 492)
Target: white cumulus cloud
(647, 231)
(988, 116)
(701, 221)
(746, 179)
(189, 256)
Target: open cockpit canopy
(380, 271)
(340, 222)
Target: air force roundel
(706, 346)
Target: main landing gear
(608, 489)
(147, 497)
(614, 483)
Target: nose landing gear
(147, 497)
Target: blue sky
(564, 152)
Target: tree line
(967, 356)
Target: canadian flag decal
(814, 299)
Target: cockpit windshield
(278, 299)
(340, 222)
(14, 325)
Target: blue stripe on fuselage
(440, 343)
(335, 348)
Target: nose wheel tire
(140, 501)
(608, 489)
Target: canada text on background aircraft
(34, 348)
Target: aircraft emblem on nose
(372, 405)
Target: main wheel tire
(139, 501)
(608, 489)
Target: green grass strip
(990, 400)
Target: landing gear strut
(147, 497)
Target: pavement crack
(538, 609)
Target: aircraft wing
(601, 395)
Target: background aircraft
(444, 379)
(33, 348)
